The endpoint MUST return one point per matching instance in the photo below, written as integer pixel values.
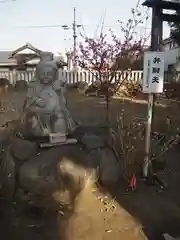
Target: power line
(74, 29)
(66, 27)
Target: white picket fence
(71, 76)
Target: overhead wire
(60, 26)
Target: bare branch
(107, 54)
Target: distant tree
(106, 54)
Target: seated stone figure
(45, 104)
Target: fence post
(14, 76)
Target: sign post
(158, 16)
(153, 81)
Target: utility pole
(74, 28)
(74, 39)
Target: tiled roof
(26, 46)
(4, 57)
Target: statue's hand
(40, 103)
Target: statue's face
(47, 74)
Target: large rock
(22, 150)
(37, 175)
(60, 172)
(109, 167)
(61, 168)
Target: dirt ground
(98, 213)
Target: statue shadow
(20, 220)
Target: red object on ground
(133, 182)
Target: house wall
(4, 68)
(9, 68)
(172, 54)
(171, 57)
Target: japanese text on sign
(153, 73)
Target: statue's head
(46, 56)
(47, 71)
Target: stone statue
(45, 103)
(56, 174)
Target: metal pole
(74, 40)
(156, 38)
